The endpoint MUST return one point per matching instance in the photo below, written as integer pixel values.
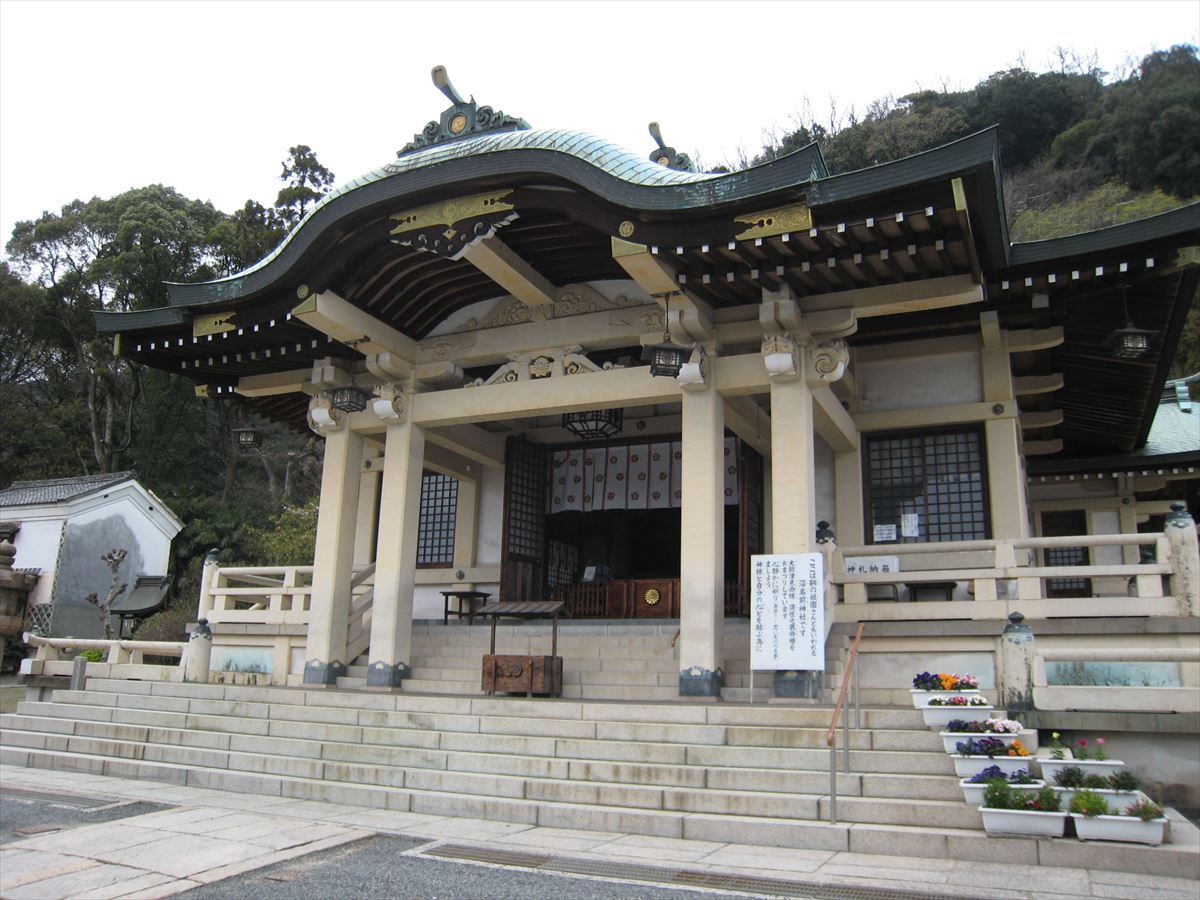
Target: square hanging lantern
(348, 399)
(247, 438)
(666, 358)
(1130, 342)
(594, 424)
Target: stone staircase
(715, 772)
(601, 661)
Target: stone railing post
(1185, 560)
(198, 656)
(1014, 664)
(207, 576)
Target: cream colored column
(466, 524)
(793, 472)
(1007, 486)
(396, 555)
(329, 608)
(702, 545)
(367, 525)
(850, 527)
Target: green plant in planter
(1095, 782)
(1046, 799)
(1144, 809)
(92, 655)
(1089, 804)
(1124, 780)
(999, 795)
(1057, 750)
(1069, 777)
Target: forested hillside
(1080, 151)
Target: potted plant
(941, 710)
(1007, 730)
(1006, 811)
(974, 786)
(975, 755)
(928, 684)
(1119, 788)
(1088, 756)
(1143, 821)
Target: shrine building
(548, 368)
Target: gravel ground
(376, 868)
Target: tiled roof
(1176, 427)
(56, 490)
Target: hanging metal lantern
(668, 357)
(247, 438)
(348, 399)
(594, 424)
(1129, 342)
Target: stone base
(799, 685)
(380, 674)
(698, 682)
(322, 673)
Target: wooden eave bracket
(1042, 448)
(1031, 339)
(497, 261)
(963, 213)
(1027, 385)
(1035, 419)
(273, 384)
(691, 320)
(344, 322)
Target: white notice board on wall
(787, 611)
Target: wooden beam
(911, 296)
(1040, 419)
(343, 321)
(497, 261)
(273, 384)
(835, 426)
(933, 416)
(1042, 448)
(469, 442)
(1030, 339)
(649, 272)
(1026, 385)
(963, 214)
(750, 422)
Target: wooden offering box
(522, 674)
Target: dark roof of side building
(57, 490)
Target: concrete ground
(220, 844)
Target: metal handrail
(831, 734)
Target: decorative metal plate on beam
(448, 228)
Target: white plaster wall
(919, 381)
(427, 602)
(1105, 521)
(37, 547)
(896, 669)
(491, 516)
(153, 545)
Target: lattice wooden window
(937, 476)
(435, 533)
(526, 475)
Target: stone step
(776, 736)
(940, 842)
(497, 785)
(609, 757)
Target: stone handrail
(989, 568)
(267, 595)
(116, 651)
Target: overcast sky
(98, 97)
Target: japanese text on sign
(787, 612)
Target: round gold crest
(651, 597)
(458, 123)
(626, 229)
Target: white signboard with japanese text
(787, 611)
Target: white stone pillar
(329, 608)
(793, 472)
(1006, 478)
(702, 544)
(396, 556)
(367, 520)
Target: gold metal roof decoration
(448, 228)
(464, 118)
(668, 156)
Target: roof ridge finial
(464, 118)
(667, 156)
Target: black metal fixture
(594, 424)
(247, 438)
(348, 399)
(1129, 342)
(825, 534)
(668, 357)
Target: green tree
(307, 181)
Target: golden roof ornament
(464, 118)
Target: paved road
(378, 868)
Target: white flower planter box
(1119, 828)
(1024, 821)
(966, 766)
(1100, 766)
(973, 793)
(941, 716)
(921, 699)
(951, 739)
(1117, 800)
